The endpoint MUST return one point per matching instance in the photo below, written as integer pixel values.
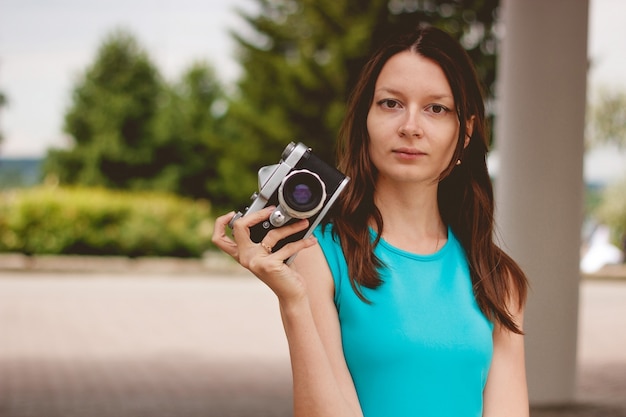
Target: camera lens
(302, 194)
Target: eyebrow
(433, 96)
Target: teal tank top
(422, 348)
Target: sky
(45, 46)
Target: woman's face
(412, 122)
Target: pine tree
(187, 148)
(132, 130)
(110, 119)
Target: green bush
(50, 220)
(612, 210)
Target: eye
(388, 103)
(438, 109)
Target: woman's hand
(258, 257)
(321, 379)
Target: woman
(402, 305)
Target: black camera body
(301, 186)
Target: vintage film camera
(301, 186)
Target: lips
(408, 152)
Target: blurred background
(127, 126)
(186, 99)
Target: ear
(469, 130)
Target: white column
(539, 187)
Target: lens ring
(302, 194)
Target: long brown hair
(465, 193)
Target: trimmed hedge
(85, 221)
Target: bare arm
(506, 392)
(323, 367)
(322, 384)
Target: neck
(411, 217)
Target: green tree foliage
(3, 103)
(132, 130)
(305, 56)
(607, 118)
(606, 124)
(187, 147)
(612, 211)
(110, 119)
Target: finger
(220, 239)
(241, 226)
(256, 217)
(224, 219)
(292, 248)
(220, 225)
(278, 234)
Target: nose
(410, 125)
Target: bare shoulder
(312, 266)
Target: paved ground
(105, 345)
